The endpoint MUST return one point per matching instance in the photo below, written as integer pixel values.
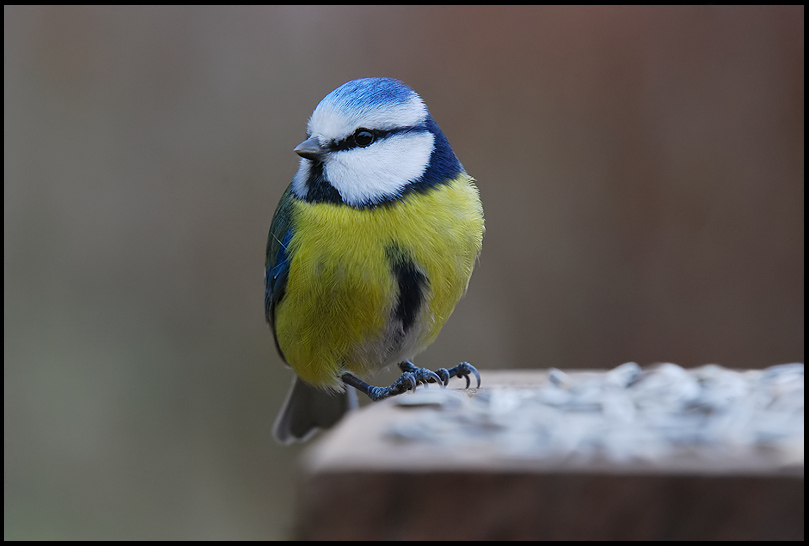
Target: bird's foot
(423, 376)
(411, 377)
(464, 369)
(406, 382)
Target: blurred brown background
(642, 173)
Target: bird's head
(370, 141)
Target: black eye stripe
(349, 142)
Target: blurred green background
(642, 173)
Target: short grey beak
(310, 149)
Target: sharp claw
(464, 369)
(433, 377)
(477, 375)
(444, 374)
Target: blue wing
(278, 260)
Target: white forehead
(372, 103)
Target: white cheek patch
(380, 171)
(299, 182)
(331, 123)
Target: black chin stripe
(319, 190)
(411, 283)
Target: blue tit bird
(370, 249)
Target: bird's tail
(308, 408)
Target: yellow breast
(341, 292)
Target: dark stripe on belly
(412, 284)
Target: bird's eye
(363, 137)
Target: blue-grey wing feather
(278, 260)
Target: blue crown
(368, 93)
